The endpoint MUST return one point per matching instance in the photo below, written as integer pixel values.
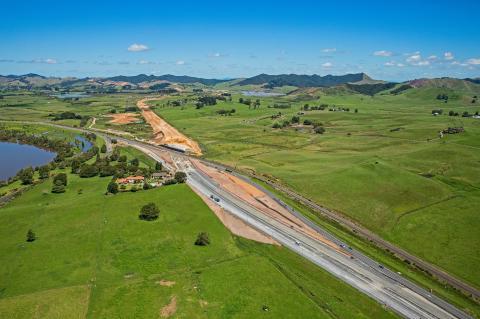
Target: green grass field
(399, 184)
(93, 257)
(384, 167)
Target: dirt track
(123, 118)
(163, 132)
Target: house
(160, 175)
(131, 180)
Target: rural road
(387, 287)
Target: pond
(14, 157)
(82, 143)
(71, 95)
(261, 93)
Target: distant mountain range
(357, 82)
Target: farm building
(131, 180)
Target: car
(297, 243)
(217, 199)
(380, 266)
(211, 196)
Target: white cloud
(327, 65)
(383, 53)
(145, 62)
(180, 62)
(137, 47)
(432, 57)
(459, 64)
(329, 50)
(393, 63)
(423, 63)
(51, 61)
(474, 61)
(414, 58)
(448, 56)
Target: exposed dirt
(170, 309)
(123, 118)
(261, 201)
(163, 132)
(165, 283)
(235, 225)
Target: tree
(26, 175)
(180, 177)
(135, 162)
(158, 166)
(107, 170)
(295, 119)
(202, 239)
(149, 212)
(58, 187)
(60, 178)
(319, 130)
(44, 171)
(356, 110)
(103, 149)
(88, 170)
(31, 236)
(122, 158)
(146, 186)
(112, 187)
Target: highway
(351, 266)
(387, 287)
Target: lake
(14, 157)
(261, 93)
(71, 95)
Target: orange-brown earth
(258, 199)
(163, 132)
(123, 118)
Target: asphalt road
(351, 266)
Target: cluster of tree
(62, 147)
(66, 116)
(371, 89)
(464, 114)
(320, 107)
(340, 109)
(59, 183)
(474, 99)
(255, 104)
(317, 126)
(443, 97)
(132, 108)
(179, 178)
(226, 112)
(205, 101)
(280, 106)
(400, 89)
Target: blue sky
(223, 39)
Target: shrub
(31, 236)
(170, 182)
(60, 178)
(103, 149)
(88, 170)
(149, 212)
(180, 177)
(112, 187)
(202, 239)
(26, 175)
(58, 187)
(319, 130)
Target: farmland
(93, 257)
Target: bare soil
(165, 283)
(261, 201)
(235, 225)
(163, 132)
(170, 309)
(123, 118)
